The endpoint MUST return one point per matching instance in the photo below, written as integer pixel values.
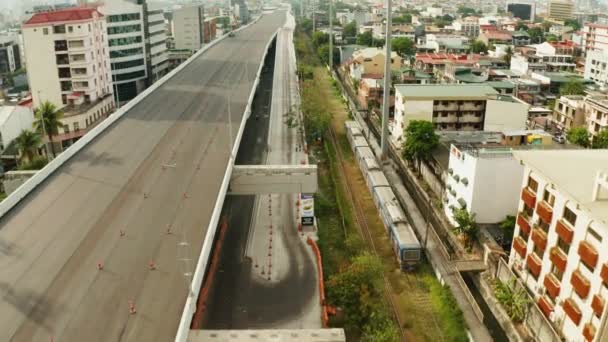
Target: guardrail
(197, 279)
(29, 185)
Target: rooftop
(446, 91)
(573, 172)
(68, 14)
(371, 52)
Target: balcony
(519, 245)
(62, 60)
(564, 231)
(540, 238)
(597, 304)
(534, 264)
(61, 45)
(604, 273)
(588, 254)
(559, 259)
(544, 211)
(572, 311)
(545, 306)
(580, 283)
(528, 197)
(589, 332)
(523, 223)
(552, 285)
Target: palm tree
(48, 121)
(508, 54)
(27, 142)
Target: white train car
(358, 141)
(375, 179)
(388, 207)
(366, 160)
(406, 246)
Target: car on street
(560, 139)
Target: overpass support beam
(273, 179)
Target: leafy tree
(27, 143)
(378, 42)
(357, 290)
(573, 23)
(465, 225)
(546, 26)
(403, 46)
(406, 18)
(521, 26)
(366, 38)
(381, 328)
(420, 141)
(508, 226)
(350, 29)
(551, 38)
(323, 52)
(572, 87)
(35, 164)
(319, 38)
(48, 114)
(601, 140)
(316, 116)
(306, 25)
(479, 46)
(578, 136)
(466, 11)
(508, 54)
(515, 302)
(536, 35)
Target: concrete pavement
(54, 239)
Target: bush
(36, 164)
(515, 302)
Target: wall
(187, 27)
(505, 115)
(19, 119)
(41, 65)
(14, 179)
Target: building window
(528, 211)
(59, 29)
(549, 198)
(563, 245)
(532, 184)
(66, 129)
(557, 273)
(70, 29)
(76, 126)
(569, 216)
(123, 17)
(124, 41)
(595, 234)
(45, 31)
(124, 29)
(539, 252)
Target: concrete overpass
(110, 202)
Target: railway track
(364, 229)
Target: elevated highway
(142, 192)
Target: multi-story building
(370, 62)
(569, 112)
(138, 46)
(10, 57)
(522, 9)
(561, 10)
(558, 250)
(188, 26)
(13, 120)
(457, 107)
(596, 114)
(595, 37)
(596, 69)
(521, 38)
(496, 37)
(468, 26)
(68, 61)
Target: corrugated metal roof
(446, 91)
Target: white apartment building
(596, 114)
(187, 27)
(68, 63)
(10, 56)
(482, 180)
(596, 67)
(156, 42)
(457, 107)
(558, 249)
(14, 119)
(595, 37)
(569, 112)
(468, 26)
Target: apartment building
(560, 10)
(187, 27)
(370, 62)
(468, 26)
(595, 37)
(569, 112)
(10, 55)
(156, 41)
(68, 61)
(596, 114)
(457, 107)
(596, 67)
(522, 9)
(558, 250)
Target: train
(405, 244)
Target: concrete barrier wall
(42, 175)
(201, 266)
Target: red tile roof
(442, 58)
(498, 35)
(68, 14)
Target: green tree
(403, 46)
(350, 29)
(578, 136)
(319, 38)
(572, 87)
(601, 140)
(479, 46)
(403, 19)
(420, 141)
(27, 143)
(536, 35)
(378, 42)
(380, 328)
(466, 11)
(573, 23)
(323, 52)
(366, 38)
(48, 120)
(357, 290)
(521, 26)
(551, 38)
(508, 54)
(306, 25)
(316, 116)
(508, 226)
(515, 301)
(465, 225)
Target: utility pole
(331, 36)
(387, 82)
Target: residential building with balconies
(569, 112)
(595, 37)
(596, 67)
(457, 107)
(68, 61)
(558, 250)
(596, 114)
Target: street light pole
(387, 82)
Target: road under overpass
(116, 204)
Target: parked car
(559, 139)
